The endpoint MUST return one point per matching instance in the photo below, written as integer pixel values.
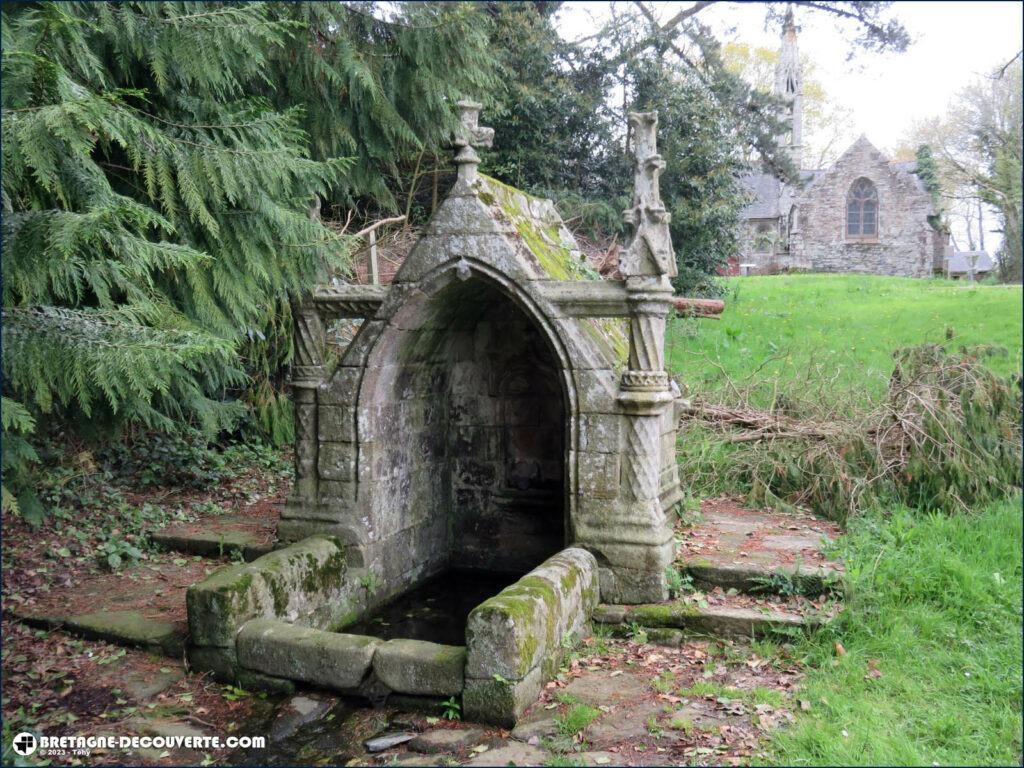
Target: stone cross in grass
(469, 136)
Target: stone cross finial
(469, 136)
(650, 248)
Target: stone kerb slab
(514, 638)
(304, 583)
(331, 659)
(345, 662)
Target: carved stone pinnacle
(650, 250)
(469, 136)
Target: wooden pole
(374, 272)
(705, 308)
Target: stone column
(644, 391)
(307, 373)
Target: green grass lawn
(934, 605)
(934, 601)
(847, 325)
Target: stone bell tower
(789, 85)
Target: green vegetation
(855, 419)
(452, 709)
(930, 666)
(932, 634)
(578, 717)
(775, 329)
(163, 170)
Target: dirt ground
(702, 702)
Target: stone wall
(905, 242)
(464, 426)
(506, 438)
(516, 638)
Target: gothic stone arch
(497, 387)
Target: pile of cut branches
(947, 436)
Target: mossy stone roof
(542, 229)
(545, 235)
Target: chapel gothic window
(862, 210)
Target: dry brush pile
(947, 436)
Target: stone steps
(756, 579)
(681, 618)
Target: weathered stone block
(600, 432)
(600, 474)
(500, 702)
(331, 659)
(337, 423)
(338, 461)
(597, 391)
(128, 628)
(305, 581)
(421, 668)
(221, 662)
(341, 388)
(513, 632)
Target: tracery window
(862, 211)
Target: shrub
(947, 437)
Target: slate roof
(960, 262)
(765, 190)
(537, 221)
(543, 232)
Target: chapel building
(865, 213)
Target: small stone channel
(318, 728)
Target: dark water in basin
(436, 610)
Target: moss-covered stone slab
(210, 543)
(717, 620)
(304, 582)
(762, 579)
(497, 701)
(522, 626)
(330, 659)
(421, 668)
(128, 628)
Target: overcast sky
(952, 43)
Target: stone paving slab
(719, 620)
(120, 627)
(512, 753)
(735, 547)
(226, 536)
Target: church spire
(789, 85)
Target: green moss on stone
(558, 257)
(671, 614)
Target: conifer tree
(155, 211)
